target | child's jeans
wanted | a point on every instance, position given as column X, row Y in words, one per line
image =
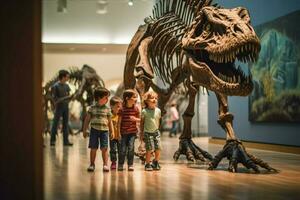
column 127, row 145
column 115, row 147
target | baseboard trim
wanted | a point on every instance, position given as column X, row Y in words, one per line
column 263, row 146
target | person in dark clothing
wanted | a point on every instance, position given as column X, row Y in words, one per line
column 61, row 95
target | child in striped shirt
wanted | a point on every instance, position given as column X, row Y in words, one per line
column 129, row 116
column 99, row 117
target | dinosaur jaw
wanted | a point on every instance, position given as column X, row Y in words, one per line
column 219, row 77
column 244, row 51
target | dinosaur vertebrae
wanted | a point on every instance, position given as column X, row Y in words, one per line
column 167, row 27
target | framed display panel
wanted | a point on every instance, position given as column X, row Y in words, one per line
column 276, row 74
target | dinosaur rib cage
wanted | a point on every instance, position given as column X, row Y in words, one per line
column 170, row 20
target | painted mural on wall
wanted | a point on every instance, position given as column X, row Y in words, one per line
column 276, row 94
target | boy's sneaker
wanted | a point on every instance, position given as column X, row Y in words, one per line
column 130, row 168
column 120, row 168
column 105, row 168
column 113, row 166
column 155, row 165
column 148, row 167
column 91, row 168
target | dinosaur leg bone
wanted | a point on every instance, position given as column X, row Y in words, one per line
column 234, row 149
column 225, row 118
column 144, row 68
column 186, row 145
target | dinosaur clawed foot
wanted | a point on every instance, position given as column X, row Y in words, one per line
column 236, row 153
column 192, row 152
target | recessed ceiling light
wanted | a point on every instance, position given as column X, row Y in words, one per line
column 62, row 6
column 130, row 3
column 102, row 7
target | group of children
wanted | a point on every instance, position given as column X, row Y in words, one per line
column 117, row 127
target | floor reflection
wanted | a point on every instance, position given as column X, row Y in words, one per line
column 66, row 176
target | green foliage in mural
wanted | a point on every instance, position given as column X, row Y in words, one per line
column 276, row 95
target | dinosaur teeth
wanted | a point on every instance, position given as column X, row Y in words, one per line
column 234, row 79
column 253, row 59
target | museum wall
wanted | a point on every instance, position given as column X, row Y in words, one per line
column 106, row 60
column 275, row 133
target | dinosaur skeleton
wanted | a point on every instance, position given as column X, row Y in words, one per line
column 84, row 80
column 196, row 43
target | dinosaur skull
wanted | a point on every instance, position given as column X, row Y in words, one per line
column 215, row 40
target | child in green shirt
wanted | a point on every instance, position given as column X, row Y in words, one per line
column 150, row 122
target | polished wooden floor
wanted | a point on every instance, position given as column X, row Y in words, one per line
column 66, row 176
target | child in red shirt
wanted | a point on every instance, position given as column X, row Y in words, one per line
column 129, row 116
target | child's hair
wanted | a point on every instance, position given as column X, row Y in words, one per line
column 147, row 96
column 62, row 73
column 128, row 94
column 114, row 100
column 100, row 92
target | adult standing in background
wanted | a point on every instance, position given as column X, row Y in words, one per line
column 61, row 96
column 174, row 118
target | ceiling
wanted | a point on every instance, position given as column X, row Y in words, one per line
column 82, row 25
